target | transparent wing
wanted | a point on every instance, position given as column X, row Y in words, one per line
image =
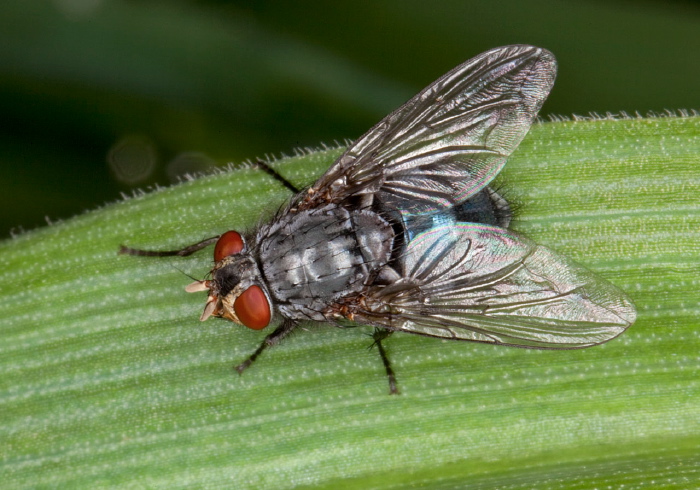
column 482, row 283
column 450, row 140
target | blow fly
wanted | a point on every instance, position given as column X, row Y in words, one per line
column 403, row 232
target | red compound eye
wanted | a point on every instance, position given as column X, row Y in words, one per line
column 252, row 308
column 229, row 243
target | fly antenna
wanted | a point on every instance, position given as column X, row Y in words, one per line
column 185, row 273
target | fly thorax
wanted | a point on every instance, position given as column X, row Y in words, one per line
column 311, row 258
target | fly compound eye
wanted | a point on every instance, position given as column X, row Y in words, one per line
column 230, row 243
column 252, row 308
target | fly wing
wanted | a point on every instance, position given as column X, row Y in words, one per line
column 450, row 140
column 483, row 283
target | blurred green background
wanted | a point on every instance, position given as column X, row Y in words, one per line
column 101, row 97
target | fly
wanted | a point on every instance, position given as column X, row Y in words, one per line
column 403, row 232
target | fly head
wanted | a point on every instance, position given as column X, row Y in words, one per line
column 236, row 289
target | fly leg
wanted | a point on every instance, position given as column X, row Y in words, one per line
column 379, row 335
column 274, row 174
column 183, row 252
column 274, row 338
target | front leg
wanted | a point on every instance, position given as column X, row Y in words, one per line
column 274, row 338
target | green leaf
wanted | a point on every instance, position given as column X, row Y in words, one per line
column 107, row 378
